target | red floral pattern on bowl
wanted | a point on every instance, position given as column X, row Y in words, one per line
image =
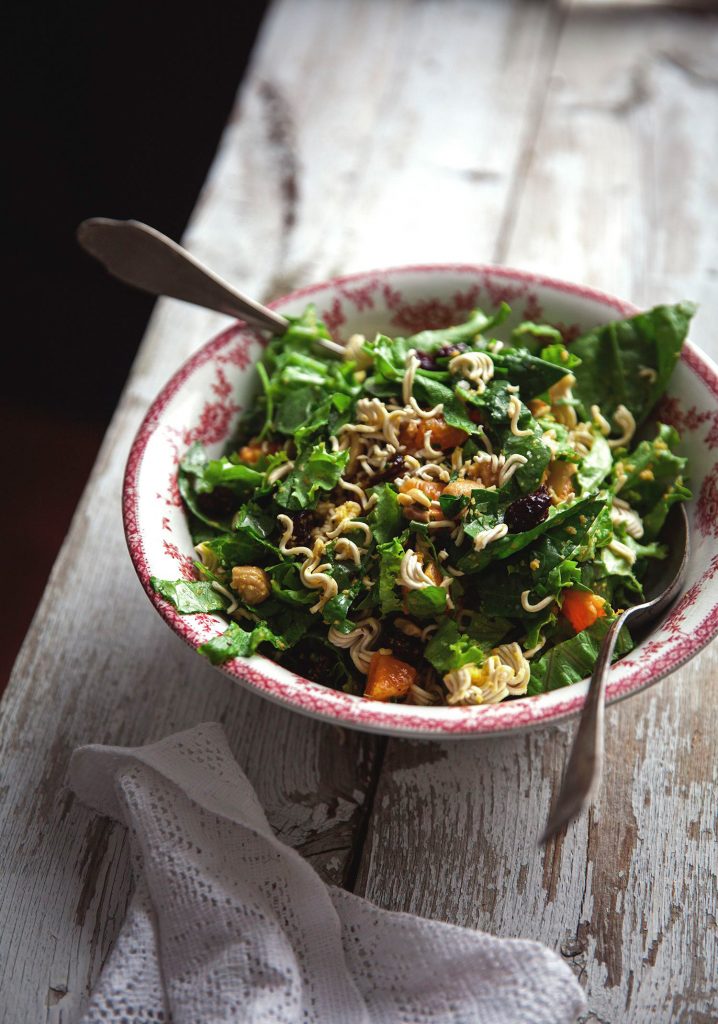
column 204, row 398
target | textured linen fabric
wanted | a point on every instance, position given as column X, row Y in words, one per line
column 228, row 924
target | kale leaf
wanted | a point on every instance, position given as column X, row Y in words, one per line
column 237, row 642
column 315, row 469
column 596, row 465
column 478, row 323
column 390, row 556
column 430, row 392
column 427, row 602
column 385, row 518
column 613, row 357
column 588, row 507
column 533, row 375
column 449, row 648
column 572, row 660
column 653, row 478
column 190, row 596
column 534, row 336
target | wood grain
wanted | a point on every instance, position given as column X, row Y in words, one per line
column 617, row 192
column 620, row 190
column 362, row 146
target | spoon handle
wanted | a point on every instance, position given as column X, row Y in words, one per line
column 147, row 259
column 583, row 771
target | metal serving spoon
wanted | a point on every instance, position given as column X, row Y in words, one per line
column 138, row 255
column 583, row 772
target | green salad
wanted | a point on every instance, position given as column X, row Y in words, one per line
column 440, row 519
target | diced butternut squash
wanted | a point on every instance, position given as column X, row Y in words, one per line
column 410, row 437
column 433, row 489
column 538, row 407
column 443, row 436
column 558, row 480
column 434, row 573
column 582, row 608
column 462, row 488
column 388, row 677
column 251, row 453
column 416, row 497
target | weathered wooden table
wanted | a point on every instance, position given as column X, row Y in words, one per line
column 578, row 142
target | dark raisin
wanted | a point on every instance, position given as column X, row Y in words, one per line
column 405, row 648
column 394, row 467
column 527, row 512
column 304, row 522
column 219, row 503
column 449, row 351
column 426, row 361
column 313, row 661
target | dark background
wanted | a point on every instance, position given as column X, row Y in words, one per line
column 115, row 110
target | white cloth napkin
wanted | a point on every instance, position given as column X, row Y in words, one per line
column 229, row 924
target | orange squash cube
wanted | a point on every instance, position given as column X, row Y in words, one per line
column 442, row 435
column 582, row 608
column 431, row 488
column 388, row 677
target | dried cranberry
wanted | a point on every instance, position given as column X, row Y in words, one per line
column 449, row 351
column 426, row 362
column 527, row 512
column 303, row 525
column 405, row 648
column 313, row 661
column 219, row 503
column 394, row 467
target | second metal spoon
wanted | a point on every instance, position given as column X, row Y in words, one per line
column 583, row 770
column 145, row 258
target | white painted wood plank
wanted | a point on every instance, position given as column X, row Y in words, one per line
column 377, row 133
column 341, row 99
column 619, row 193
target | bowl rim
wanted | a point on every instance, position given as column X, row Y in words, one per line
column 265, row 677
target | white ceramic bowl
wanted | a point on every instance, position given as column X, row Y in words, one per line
column 204, row 398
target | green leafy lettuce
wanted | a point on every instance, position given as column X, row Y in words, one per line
column 315, row 469
column 237, row 642
column 386, row 519
column 390, row 556
column 450, row 648
column 615, row 356
column 572, row 660
column 653, row 478
column 190, row 595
